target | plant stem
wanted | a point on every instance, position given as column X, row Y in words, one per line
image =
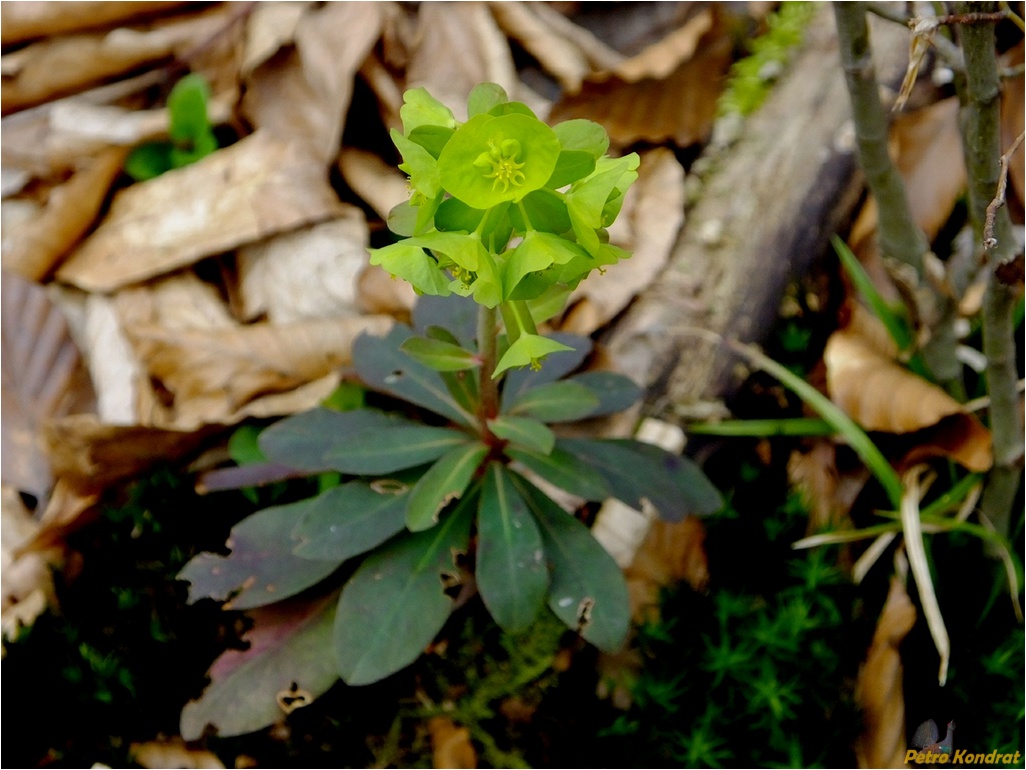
column 899, row 236
column 982, row 147
column 487, row 343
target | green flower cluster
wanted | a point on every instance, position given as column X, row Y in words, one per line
column 503, row 207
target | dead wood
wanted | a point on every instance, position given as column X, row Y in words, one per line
column 767, row 209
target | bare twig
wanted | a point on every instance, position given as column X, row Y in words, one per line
column 976, row 17
column 989, row 241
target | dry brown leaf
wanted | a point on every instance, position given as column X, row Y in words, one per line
column 379, row 292
column 600, row 56
column 252, row 189
column 63, row 65
column 272, row 25
column 658, row 60
column 381, row 185
column 813, row 474
column 556, row 53
column 304, row 274
column 879, row 690
column 450, row 744
column 43, row 377
column 178, row 302
column 36, row 247
column 679, row 106
column 1013, row 117
column 456, row 46
column 172, row 753
column 670, row 553
column 26, row 574
column 211, row 376
column 648, row 226
column 880, row 394
column 26, row 20
column 90, row 455
column 303, row 96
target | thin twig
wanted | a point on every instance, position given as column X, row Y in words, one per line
column 983, row 402
column 989, row 241
column 977, row 17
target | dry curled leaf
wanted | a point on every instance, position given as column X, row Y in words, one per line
column 450, row 744
column 557, row 54
column 644, row 99
column 302, row 95
column 26, row 20
column 218, row 376
column 381, row 185
column 172, row 753
column 43, row 378
column 879, row 394
column 26, row 572
column 879, row 690
column 379, row 292
column 36, row 246
column 306, row 273
column 252, row 189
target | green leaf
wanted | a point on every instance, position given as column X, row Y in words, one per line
column 614, row 391
column 286, row 649
column 460, row 248
column 347, row 397
column 494, row 159
column 637, row 471
column 564, row 470
column 588, row 198
column 456, row 314
column 561, row 401
column 303, row 440
column 351, row 519
column 442, row 483
column 410, row 262
column 556, row 365
column 581, row 134
column 394, row 604
column 422, row 109
column 440, row 356
column 261, row 565
column 148, row 161
column 381, row 365
column 571, row 166
column 431, row 138
column 544, row 210
column 588, row 592
column 419, row 164
column 454, row 215
column 244, row 447
column 524, row 432
column 536, row 252
column 511, row 571
column 187, row 108
column 529, row 349
column 391, row 449
column 484, row 97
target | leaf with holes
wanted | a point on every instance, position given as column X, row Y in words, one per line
column 351, row 519
column 564, row 470
column 261, row 565
column 285, row 656
column 395, row 603
column 381, row 365
column 635, row 471
column 511, row 570
column 588, row 591
column 442, row 483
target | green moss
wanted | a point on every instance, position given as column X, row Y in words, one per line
column 752, row 77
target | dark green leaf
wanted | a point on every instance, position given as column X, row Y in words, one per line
column 261, row 565
column 347, row 397
column 545, row 210
column 560, row 401
column 524, row 431
column 244, row 446
column 588, row 591
column 614, row 391
column 381, row 365
column 394, row 604
column 564, row 470
column 351, row 519
column 674, row 485
column 439, row 355
column 512, row 574
column 456, row 314
column 303, row 440
column 392, row 449
column 149, row 160
column 455, row 215
column 442, row 483
column 286, row 650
